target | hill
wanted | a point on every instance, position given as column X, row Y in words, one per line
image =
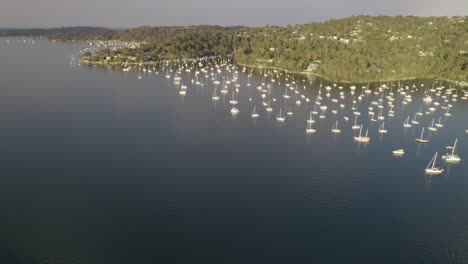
column 41, row 32
column 358, row 48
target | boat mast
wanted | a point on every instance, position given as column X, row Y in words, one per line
column 454, row 146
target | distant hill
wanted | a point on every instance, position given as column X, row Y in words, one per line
column 39, row 32
column 140, row 34
column 363, row 48
column 359, row 48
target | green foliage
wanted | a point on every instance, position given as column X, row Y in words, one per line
column 359, row 48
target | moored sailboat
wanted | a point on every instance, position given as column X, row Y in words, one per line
column 362, row 139
column 431, row 167
column 452, row 157
column 421, row 139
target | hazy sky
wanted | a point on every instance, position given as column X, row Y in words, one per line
column 125, row 13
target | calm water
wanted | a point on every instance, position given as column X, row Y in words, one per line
column 98, row 166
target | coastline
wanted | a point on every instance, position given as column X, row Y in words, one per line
column 457, row 83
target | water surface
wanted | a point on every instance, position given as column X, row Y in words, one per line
column 99, row 166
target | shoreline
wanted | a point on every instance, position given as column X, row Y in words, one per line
column 457, row 83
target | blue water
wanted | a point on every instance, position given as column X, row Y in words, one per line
column 98, row 166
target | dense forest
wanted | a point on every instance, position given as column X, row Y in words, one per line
column 169, row 43
column 359, row 48
column 363, row 48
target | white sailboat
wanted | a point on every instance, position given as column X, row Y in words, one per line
column 382, row 129
column 360, row 138
column 439, row 124
column 269, row 108
column 452, row 157
column 447, row 113
column 398, row 152
column 224, row 90
column 234, row 111
column 335, row 128
column 407, row 123
column 380, row 117
column 254, row 112
column 322, row 114
column 391, row 113
column 310, row 120
column 286, row 95
column 309, row 129
column 415, row 120
column 355, row 126
column 431, row 168
column 427, row 99
column 280, row 118
column 214, row 97
column 432, row 127
column 421, row 139
column 315, row 112
column 233, row 101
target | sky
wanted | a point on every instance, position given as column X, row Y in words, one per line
column 132, row 13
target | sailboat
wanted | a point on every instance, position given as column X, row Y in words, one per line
column 280, row 118
column 224, row 90
column 314, row 112
column 427, row 99
column 254, row 112
column 415, row 120
column 322, row 114
column 452, row 158
column 286, row 95
column 432, row 127
column 269, row 108
column 421, row 139
column 215, row 97
column 380, row 117
column 407, row 123
column 234, row 111
column 355, row 126
column 391, row 113
column 439, row 124
column 360, row 138
column 335, row 128
column 398, row 152
column 419, row 113
column 382, row 129
column 310, row 120
column 309, row 129
column 431, row 168
column 447, row 113
column 233, row 101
